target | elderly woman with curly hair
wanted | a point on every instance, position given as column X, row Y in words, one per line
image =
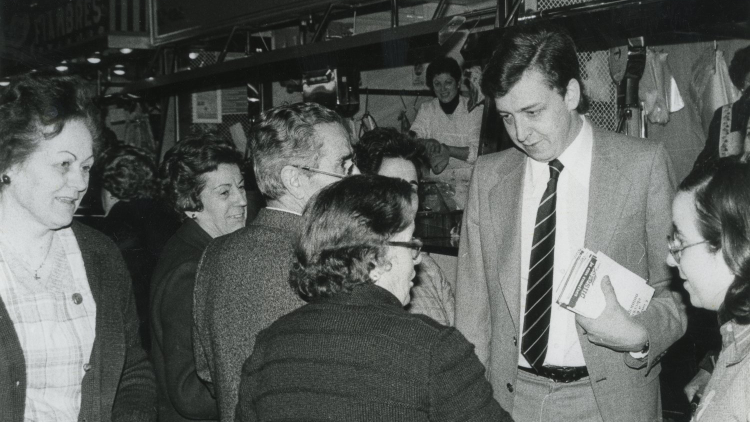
column 204, row 184
column 353, row 352
column 711, row 248
column 387, row 152
column 69, row 346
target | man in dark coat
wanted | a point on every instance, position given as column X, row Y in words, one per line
column 242, row 283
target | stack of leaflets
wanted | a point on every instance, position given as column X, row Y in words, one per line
column 581, row 291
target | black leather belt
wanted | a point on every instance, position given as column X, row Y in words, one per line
column 563, row 374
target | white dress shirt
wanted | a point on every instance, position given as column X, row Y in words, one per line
column 563, row 349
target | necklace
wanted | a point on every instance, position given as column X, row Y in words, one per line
column 44, row 261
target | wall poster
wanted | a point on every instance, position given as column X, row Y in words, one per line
column 207, row 107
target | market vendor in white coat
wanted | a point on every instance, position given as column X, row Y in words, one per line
column 449, row 131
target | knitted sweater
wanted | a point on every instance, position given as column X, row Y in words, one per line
column 242, row 286
column 119, row 386
column 360, row 356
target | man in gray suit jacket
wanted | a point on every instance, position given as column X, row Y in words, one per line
column 242, row 283
column 568, row 185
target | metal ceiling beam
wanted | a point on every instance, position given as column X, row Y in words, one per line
column 384, row 48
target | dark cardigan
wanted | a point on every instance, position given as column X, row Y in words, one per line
column 361, row 357
column 182, row 395
column 120, row 384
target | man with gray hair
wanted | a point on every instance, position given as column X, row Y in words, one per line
column 242, row 283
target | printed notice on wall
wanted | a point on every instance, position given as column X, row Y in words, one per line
column 207, row 107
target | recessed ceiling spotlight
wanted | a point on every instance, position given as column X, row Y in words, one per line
column 126, row 50
column 62, row 67
column 94, row 58
column 4, row 83
column 119, row 70
column 193, row 55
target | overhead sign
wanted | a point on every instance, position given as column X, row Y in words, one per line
column 57, row 25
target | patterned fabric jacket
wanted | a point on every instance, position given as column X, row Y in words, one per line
column 727, row 395
column 119, row 386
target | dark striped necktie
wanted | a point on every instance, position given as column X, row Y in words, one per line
column 539, row 289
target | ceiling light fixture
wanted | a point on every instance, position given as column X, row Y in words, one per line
column 94, row 58
column 253, row 96
column 193, row 55
column 119, row 70
column 4, row 82
column 126, row 50
column 62, row 67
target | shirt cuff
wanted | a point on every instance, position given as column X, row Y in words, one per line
column 641, row 354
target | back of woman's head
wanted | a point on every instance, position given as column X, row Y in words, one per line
column 722, row 203
column 35, row 108
column 346, row 227
column 185, row 164
column 128, row 172
column 387, row 142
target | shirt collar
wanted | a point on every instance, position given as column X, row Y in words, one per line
column 576, row 158
column 735, row 339
column 284, row 210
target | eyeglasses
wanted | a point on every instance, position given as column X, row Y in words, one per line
column 676, row 250
column 414, row 244
column 327, row 173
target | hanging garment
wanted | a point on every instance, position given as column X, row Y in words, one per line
column 138, row 130
column 658, row 88
column 711, row 87
column 728, row 133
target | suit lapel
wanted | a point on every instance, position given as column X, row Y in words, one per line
column 505, row 209
column 608, row 192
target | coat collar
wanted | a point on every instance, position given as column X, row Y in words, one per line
column 735, row 340
column 609, row 188
column 507, row 194
column 363, row 295
column 192, row 234
column 279, row 220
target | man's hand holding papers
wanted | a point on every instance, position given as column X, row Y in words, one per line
column 606, row 297
column 614, row 328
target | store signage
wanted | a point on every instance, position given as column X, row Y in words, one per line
column 57, row 26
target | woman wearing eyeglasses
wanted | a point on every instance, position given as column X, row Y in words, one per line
column 711, row 249
column 353, row 352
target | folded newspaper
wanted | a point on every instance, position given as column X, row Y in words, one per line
column 581, row 290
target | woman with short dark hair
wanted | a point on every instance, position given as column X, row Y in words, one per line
column 387, row 152
column 133, row 218
column 353, row 352
column 69, row 346
column 448, row 129
column 711, row 248
column 127, row 173
column 203, row 183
